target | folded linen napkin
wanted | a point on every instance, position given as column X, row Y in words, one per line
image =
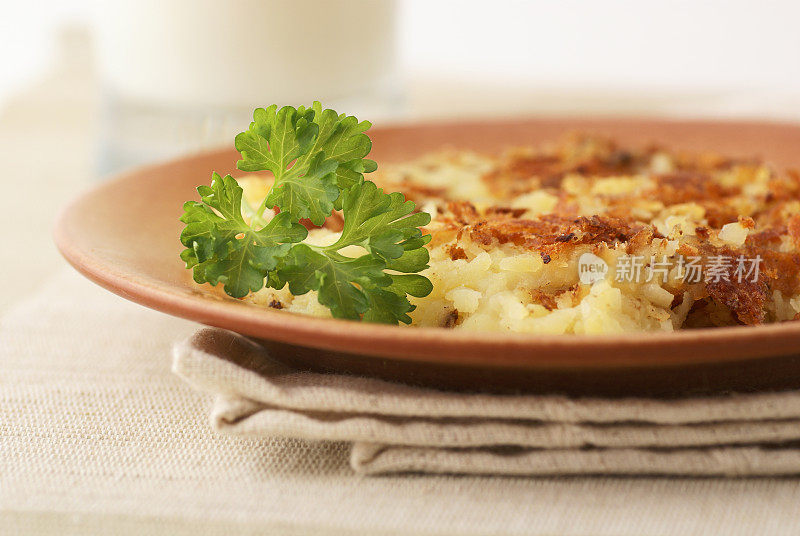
column 399, row 428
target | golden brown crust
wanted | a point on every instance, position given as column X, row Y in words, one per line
column 586, row 207
column 793, row 227
column 522, row 170
column 450, row 319
column 743, row 297
column 456, row 252
column 551, row 233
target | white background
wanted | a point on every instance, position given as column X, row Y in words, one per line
column 634, row 45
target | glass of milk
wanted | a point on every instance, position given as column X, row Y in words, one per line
column 182, row 75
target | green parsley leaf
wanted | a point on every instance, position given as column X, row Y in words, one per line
column 383, row 224
column 333, row 276
column 386, row 226
column 317, row 158
column 342, row 138
column 223, row 248
column 311, row 152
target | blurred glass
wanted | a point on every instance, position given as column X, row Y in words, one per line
column 182, row 75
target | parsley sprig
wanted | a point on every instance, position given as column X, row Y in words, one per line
column 317, row 159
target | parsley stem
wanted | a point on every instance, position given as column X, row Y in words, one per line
column 256, row 216
column 263, row 206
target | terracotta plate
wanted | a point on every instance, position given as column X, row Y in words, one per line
column 124, row 236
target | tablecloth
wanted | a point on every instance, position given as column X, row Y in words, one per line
column 95, row 433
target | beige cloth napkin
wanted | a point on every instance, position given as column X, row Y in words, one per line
column 399, row 428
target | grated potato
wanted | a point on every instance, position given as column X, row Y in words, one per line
column 508, row 232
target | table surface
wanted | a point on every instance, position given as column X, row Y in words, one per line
column 96, row 432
